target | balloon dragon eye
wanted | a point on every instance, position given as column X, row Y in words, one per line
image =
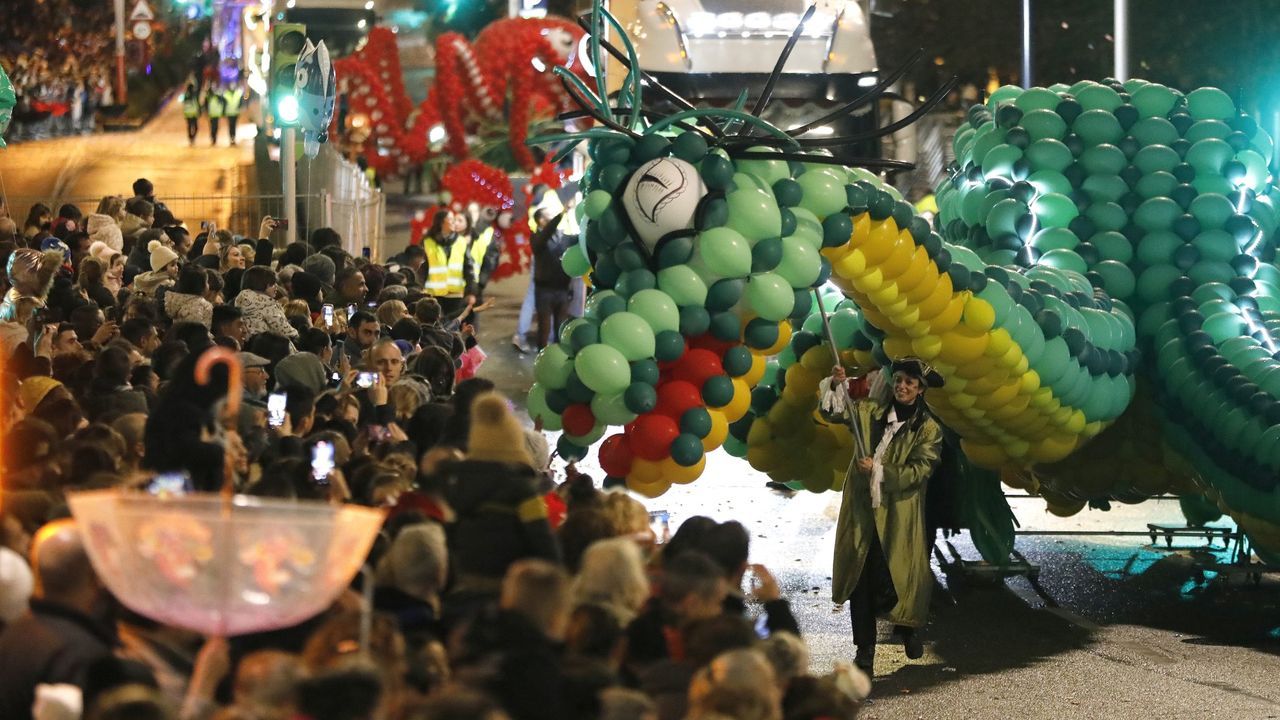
column 657, row 186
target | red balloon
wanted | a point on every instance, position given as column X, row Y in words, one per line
column 707, row 341
column 578, row 419
column 653, row 436
column 676, row 397
column 697, row 366
column 615, row 455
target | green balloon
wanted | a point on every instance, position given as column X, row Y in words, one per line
column 1117, row 278
column 754, row 213
column 537, row 402
column 603, row 368
column 1113, row 246
column 1158, row 213
column 1050, row 181
column 1036, row 98
column 1063, row 259
column 657, row 308
column 1158, row 247
column 1206, row 129
column 823, row 192
column 1105, row 159
column 1210, row 104
column 1105, row 188
column 1054, row 238
column 725, row 252
column 770, row 296
column 1156, row 184
column 801, row 263
column 1054, row 211
column 999, row 160
column 1098, row 126
column 1209, row 156
column 1107, row 215
column 1154, row 131
column 1044, row 123
column 770, row 171
column 1052, row 363
column 1223, row 326
column 1153, row 284
column 575, row 263
column 612, row 409
column 683, row 285
column 628, row 333
column 1154, row 100
column 1098, row 97
column 552, row 367
column 580, row 335
column 596, row 203
column 604, row 302
column 1049, row 154
column 640, row 398
column 717, row 391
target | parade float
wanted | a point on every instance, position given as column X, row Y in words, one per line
column 1099, row 291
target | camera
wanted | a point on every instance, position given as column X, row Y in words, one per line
column 326, row 311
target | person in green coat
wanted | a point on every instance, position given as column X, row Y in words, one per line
column 882, row 555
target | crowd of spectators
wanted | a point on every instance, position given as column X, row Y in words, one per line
column 498, row 591
column 59, row 55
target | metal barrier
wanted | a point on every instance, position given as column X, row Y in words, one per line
column 334, row 192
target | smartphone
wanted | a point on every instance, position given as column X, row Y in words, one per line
column 660, row 524
column 204, row 224
column 335, row 380
column 275, row 409
column 379, row 433
column 326, row 311
column 367, row 252
column 351, row 310
column 371, row 304
column 170, row 484
column 366, row 379
column 321, row 462
column 282, row 224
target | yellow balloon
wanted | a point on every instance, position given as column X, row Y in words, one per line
column 961, row 346
column 896, row 347
column 869, row 281
column 978, row 315
column 756, row 373
column 900, row 259
column 836, row 254
column 999, row 343
column 1053, row 448
column 674, row 472
column 927, row 347
column 805, row 380
column 907, row 317
column 975, row 369
column 897, row 307
column 913, row 274
column 761, row 432
column 818, row 359
column 962, row 401
column 936, row 301
column 649, row 490
column 740, row 403
column 949, row 318
column 885, row 295
column 861, row 230
column 880, row 242
column 920, row 328
column 644, row 472
column 853, row 264
column 719, row 431
column 1030, row 382
column 764, row 458
column 984, row 455
column 927, row 283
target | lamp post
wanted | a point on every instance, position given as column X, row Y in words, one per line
column 122, row 88
column 1122, row 40
column 1026, row 43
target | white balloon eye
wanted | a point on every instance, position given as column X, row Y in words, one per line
column 301, row 76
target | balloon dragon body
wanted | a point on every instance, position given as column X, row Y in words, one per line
column 1098, row 291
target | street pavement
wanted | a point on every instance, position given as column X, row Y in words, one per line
column 87, row 167
column 1117, row 627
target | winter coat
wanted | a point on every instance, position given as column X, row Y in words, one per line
column 107, row 404
column 262, row 314
column 181, row 307
column 549, row 245
column 50, row 644
column 148, row 284
column 501, row 518
column 132, row 226
column 504, row 654
column 908, row 462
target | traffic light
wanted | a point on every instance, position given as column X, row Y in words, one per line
column 287, row 41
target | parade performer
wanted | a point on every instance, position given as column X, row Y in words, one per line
column 882, row 555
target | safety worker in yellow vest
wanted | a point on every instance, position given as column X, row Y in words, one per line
column 449, row 267
column 191, row 111
column 215, row 105
column 232, row 97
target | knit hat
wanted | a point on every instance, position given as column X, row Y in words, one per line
column 103, row 228
column 16, row 584
column 305, row 285
column 31, row 271
column 34, row 389
column 495, row 435
column 321, row 267
column 417, row 561
column 302, row 369
column 161, row 255
column 103, row 251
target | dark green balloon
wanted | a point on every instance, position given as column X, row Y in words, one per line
column 640, row 398
column 724, row 294
column 766, row 255
column 675, row 251
column 714, row 212
column 717, row 172
column 606, row 272
column 739, row 428
column 614, row 151
column 903, row 213
column 570, row 450
column 761, row 333
column 880, row 205
column 763, row 397
column 725, row 326
column 629, row 257
column 577, row 390
column 696, row 421
column 788, row 192
column 737, row 361
column 788, row 222
column 804, row 299
column 803, row 340
column 694, row 321
column 586, row 333
column 689, row 146
column 645, row 371
column 686, row 449
column 668, row 346
column 649, row 147
column 856, row 196
column 558, row 401
column 610, row 305
column 610, row 178
column 836, row 229
column 717, row 391
column 634, row 281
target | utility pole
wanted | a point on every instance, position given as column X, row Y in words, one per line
column 1122, row 40
column 1026, row 43
column 122, row 88
column 289, row 171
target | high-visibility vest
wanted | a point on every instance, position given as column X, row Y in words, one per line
column 479, row 247
column 190, row 105
column 232, row 98
column 214, row 102
column 445, row 268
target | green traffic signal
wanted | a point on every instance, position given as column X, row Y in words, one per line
column 287, row 42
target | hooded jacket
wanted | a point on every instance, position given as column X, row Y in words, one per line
column 132, row 225
column 148, row 285
column 262, row 314
column 501, row 518
column 182, row 307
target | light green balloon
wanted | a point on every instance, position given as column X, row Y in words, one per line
column 683, row 285
column 611, row 409
column 597, row 202
column 552, row 367
column 537, row 403
column 1154, row 131
column 754, row 213
column 1049, row 154
column 1212, row 210
column 1098, row 126
column 770, row 171
column 770, row 296
column 1036, row 98
column 1050, row 181
column 1064, row 259
column 1052, row 363
column 1042, row 124
column 1054, row 210
column 1156, row 184
column 725, row 252
column 575, row 262
column 808, row 227
column 1154, row 100
column 628, row 333
column 1099, row 97
column 1210, row 104
column 657, row 308
column 800, row 263
column 823, row 192
column 1158, row 247
column 1158, row 213
column 593, row 302
column 1206, row 129
column 602, row 368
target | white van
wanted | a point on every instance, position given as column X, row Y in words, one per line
column 708, row 51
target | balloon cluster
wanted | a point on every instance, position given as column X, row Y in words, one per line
column 1163, row 200
column 8, row 99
